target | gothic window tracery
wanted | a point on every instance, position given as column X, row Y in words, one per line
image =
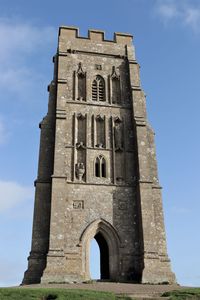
column 98, row 89
column 100, row 167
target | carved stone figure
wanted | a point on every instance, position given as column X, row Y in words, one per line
column 80, row 170
column 118, row 134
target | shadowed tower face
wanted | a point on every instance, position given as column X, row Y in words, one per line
column 97, row 175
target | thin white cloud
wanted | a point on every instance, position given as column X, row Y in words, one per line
column 12, row 194
column 167, row 10
column 17, row 37
column 19, row 80
column 192, row 18
column 185, row 12
column 22, row 45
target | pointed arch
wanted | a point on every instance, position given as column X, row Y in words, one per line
column 100, row 168
column 97, row 167
column 98, row 89
column 80, row 83
column 106, row 235
column 103, row 167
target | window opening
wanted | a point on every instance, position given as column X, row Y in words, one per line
column 103, row 168
column 97, row 168
column 100, row 167
column 94, row 90
column 98, row 89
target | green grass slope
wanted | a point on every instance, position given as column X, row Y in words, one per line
column 54, row 294
column 184, row 294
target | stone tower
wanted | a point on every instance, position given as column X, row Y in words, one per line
column 97, row 175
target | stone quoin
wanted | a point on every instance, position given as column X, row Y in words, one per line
column 97, row 174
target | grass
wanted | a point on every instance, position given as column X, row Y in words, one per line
column 184, row 294
column 52, row 293
column 67, row 294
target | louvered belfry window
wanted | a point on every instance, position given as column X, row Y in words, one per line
column 94, row 90
column 98, row 89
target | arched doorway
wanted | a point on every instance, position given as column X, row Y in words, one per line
column 94, row 260
column 104, row 256
column 109, row 243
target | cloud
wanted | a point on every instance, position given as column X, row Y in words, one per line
column 167, row 10
column 184, row 12
column 23, row 47
column 22, row 38
column 192, row 18
column 20, row 80
column 12, row 194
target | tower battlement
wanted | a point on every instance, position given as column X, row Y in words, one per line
column 95, row 43
column 71, row 32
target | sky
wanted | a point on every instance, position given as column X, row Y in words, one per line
column 167, row 40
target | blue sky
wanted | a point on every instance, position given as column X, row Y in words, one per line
column 167, row 39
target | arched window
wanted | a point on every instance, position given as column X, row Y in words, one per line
column 97, row 167
column 100, row 167
column 98, row 89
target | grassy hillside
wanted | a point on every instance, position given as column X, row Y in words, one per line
column 51, row 294
column 184, row 294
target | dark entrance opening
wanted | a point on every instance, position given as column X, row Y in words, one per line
column 104, row 256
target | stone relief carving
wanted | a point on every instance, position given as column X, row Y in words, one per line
column 114, row 74
column 80, row 171
column 80, row 145
column 99, row 118
column 80, row 70
column 100, row 145
column 120, row 179
column 118, row 134
column 80, row 116
column 78, row 204
column 122, row 205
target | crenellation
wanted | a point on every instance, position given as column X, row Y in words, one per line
column 70, row 32
column 123, row 38
column 96, row 35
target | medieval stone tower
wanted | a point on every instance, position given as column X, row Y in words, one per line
column 97, row 173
